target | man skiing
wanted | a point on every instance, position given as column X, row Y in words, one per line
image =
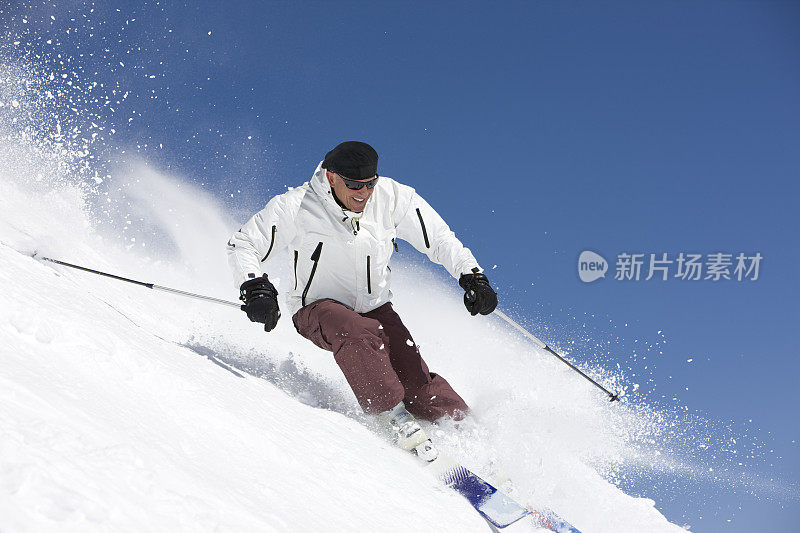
column 340, row 228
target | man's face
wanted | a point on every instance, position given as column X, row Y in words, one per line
column 352, row 200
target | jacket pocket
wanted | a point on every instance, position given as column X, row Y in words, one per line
column 315, row 258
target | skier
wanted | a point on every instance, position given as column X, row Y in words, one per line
column 341, row 228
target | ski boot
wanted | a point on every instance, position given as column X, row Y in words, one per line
column 403, row 430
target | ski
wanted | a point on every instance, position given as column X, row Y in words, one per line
column 496, row 507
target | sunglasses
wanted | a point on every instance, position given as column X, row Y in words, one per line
column 358, row 185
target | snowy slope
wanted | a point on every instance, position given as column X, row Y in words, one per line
column 123, row 409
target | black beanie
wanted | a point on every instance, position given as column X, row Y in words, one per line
column 352, row 159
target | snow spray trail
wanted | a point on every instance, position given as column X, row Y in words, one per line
column 74, row 224
column 69, row 191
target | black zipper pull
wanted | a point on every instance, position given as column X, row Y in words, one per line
column 369, row 278
column 271, row 242
column 315, row 258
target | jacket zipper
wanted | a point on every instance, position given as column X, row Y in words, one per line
column 369, row 282
column 424, row 231
column 315, row 258
column 272, row 242
column 296, row 255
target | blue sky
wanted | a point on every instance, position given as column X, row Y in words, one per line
column 538, row 130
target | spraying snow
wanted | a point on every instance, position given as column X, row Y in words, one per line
column 119, row 400
column 136, row 410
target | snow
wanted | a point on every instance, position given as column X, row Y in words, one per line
column 125, row 409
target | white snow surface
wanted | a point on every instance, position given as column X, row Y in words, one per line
column 127, row 409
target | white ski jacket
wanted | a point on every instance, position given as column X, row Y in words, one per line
column 339, row 254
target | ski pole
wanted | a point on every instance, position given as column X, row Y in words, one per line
column 614, row 397
column 143, row 284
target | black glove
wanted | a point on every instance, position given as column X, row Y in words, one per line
column 260, row 301
column 479, row 296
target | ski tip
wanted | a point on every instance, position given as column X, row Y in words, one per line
column 549, row 520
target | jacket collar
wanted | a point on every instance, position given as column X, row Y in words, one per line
column 320, row 183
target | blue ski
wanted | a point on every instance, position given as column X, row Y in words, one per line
column 495, row 506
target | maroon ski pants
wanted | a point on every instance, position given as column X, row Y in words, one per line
column 379, row 359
